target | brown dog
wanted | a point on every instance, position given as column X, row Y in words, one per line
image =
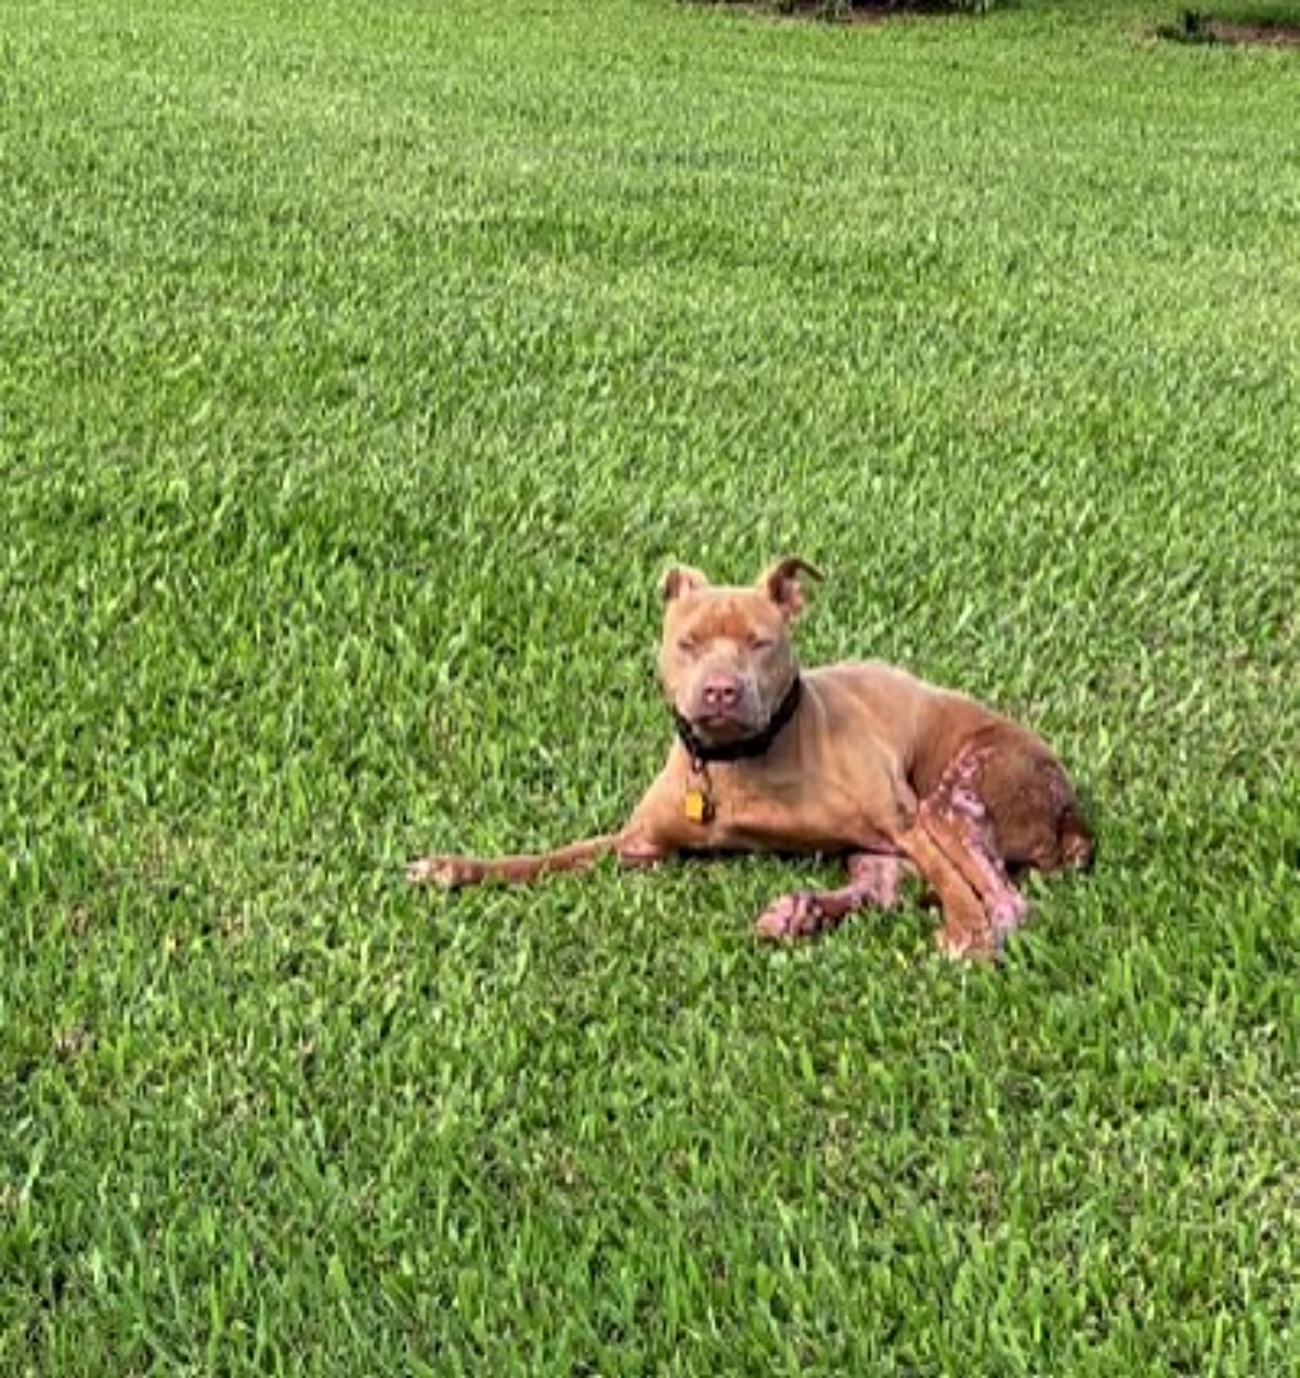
column 859, row 759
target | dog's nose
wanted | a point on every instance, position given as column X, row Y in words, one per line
column 721, row 691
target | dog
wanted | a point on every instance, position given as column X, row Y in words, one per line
column 859, row 759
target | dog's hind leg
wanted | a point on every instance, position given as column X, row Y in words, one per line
column 1004, row 805
column 955, row 815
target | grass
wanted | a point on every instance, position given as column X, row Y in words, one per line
column 360, row 368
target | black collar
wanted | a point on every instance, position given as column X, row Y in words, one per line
column 702, row 753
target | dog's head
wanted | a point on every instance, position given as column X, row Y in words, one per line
column 726, row 658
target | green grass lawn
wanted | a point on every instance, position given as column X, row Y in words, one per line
column 361, row 366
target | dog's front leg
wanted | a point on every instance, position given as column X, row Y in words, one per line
column 454, row 872
column 643, row 841
column 874, row 882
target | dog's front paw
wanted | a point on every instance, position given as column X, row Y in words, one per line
column 446, row 872
column 792, row 916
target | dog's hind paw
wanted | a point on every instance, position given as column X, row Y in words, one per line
column 446, row 872
column 968, row 945
column 1008, row 913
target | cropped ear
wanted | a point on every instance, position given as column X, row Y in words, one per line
column 782, row 585
column 680, row 579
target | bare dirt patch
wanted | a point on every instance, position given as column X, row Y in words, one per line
column 1260, row 35
column 871, row 12
column 1198, row 27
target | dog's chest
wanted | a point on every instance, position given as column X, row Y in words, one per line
column 737, row 809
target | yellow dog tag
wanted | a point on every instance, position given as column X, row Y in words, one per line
column 696, row 806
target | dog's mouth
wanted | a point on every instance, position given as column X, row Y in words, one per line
column 729, row 731
column 723, row 725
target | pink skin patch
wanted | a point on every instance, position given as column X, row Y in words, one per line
column 878, row 878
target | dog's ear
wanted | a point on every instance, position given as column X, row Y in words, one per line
column 782, row 585
column 681, row 579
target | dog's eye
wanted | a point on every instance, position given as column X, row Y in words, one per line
column 687, row 646
column 761, row 643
